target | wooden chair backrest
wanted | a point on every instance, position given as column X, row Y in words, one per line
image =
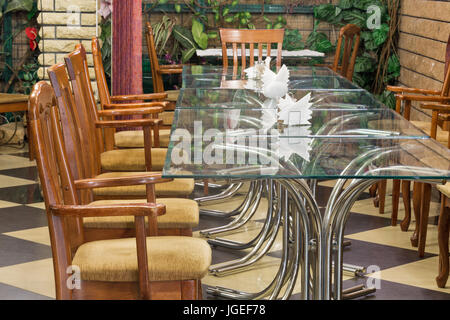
column 102, row 85
column 446, row 85
column 73, row 122
column 349, row 36
column 158, row 85
column 251, row 37
column 56, row 180
column 83, row 94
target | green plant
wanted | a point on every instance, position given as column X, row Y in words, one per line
column 377, row 64
column 293, row 40
column 23, row 75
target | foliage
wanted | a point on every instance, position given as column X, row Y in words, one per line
column 105, row 38
column 25, row 73
column 372, row 41
column 292, row 40
column 181, row 43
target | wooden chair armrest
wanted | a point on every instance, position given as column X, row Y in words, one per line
column 422, row 98
column 160, row 104
column 127, row 112
column 128, row 123
column 170, row 71
column 412, row 90
column 171, row 66
column 147, row 96
column 145, row 178
column 444, row 108
column 323, row 65
column 113, row 210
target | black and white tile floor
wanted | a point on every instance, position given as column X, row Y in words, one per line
column 26, row 270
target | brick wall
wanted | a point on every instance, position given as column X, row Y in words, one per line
column 64, row 23
column 424, row 31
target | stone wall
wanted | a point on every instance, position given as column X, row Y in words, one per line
column 64, row 23
column 424, row 31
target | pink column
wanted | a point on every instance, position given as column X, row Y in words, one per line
column 126, row 70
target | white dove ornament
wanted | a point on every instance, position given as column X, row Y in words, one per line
column 275, row 85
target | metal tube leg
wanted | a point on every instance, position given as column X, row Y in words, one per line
column 245, row 217
column 259, row 250
column 225, row 194
column 222, row 214
column 248, row 201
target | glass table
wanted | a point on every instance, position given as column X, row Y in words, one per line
column 317, row 78
column 237, row 135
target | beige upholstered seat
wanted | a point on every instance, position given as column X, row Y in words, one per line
column 135, row 139
column 445, row 189
column 170, row 258
column 441, row 135
column 180, row 213
column 174, row 188
column 172, row 95
column 167, row 118
column 131, row 159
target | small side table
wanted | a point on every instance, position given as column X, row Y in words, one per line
column 11, row 102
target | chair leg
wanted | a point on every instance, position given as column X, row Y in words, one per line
column 205, row 187
column 382, row 195
column 406, row 187
column 373, row 190
column 417, row 191
column 199, row 289
column 395, row 200
column 443, row 234
column 424, row 212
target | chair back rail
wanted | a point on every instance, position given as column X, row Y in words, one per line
column 85, row 104
column 158, row 85
column 103, row 90
column 446, row 84
column 349, row 37
column 54, row 173
column 242, row 38
column 71, row 124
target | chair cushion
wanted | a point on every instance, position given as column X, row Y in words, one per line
column 445, row 189
column 180, row 213
column 174, row 188
column 441, row 135
column 135, row 139
column 131, row 159
column 169, row 258
column 167, row 118
column 172, row 95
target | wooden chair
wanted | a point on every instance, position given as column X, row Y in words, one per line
column 422, row 194
column 344, row 64
column 123, row 139
column 406, row 96
column 130, row 268
column 350, row 35
column 244, row 37
column 181, row 214
column 157, row 76
column 115, row 162
column 443, row 235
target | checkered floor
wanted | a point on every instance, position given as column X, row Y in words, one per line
column 26, row 270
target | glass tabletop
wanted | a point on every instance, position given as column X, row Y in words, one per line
column 218, row 81
column 313, row 158
column 296, row 122
column 192, row 98
column 296, row 71
column 324, row 132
